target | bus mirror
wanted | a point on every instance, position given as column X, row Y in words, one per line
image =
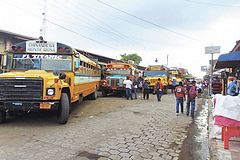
column 62, row 75
column 76, row 55
column 77, row 63
column 4, row 63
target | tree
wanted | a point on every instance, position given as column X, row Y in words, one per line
column 134, row 57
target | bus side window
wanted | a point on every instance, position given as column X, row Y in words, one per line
column 77, row 63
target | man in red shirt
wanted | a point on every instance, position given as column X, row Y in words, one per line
column 158, row 89
column 180, row 97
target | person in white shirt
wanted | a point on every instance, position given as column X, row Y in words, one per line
column 128, row 85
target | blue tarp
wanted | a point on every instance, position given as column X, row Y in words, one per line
column 228, row 60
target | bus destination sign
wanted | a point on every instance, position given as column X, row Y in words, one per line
column 34, row 47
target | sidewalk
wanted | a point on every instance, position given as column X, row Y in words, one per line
column 216, row 145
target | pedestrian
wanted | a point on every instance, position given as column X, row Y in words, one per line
column 158, row 89
column 145, row 90
column 174, row 83
column 192, row 93
column 135, row 87
column 128, row 87
column 180, row 97
column 232, row 88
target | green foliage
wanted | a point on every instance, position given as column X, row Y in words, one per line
column 134, row 57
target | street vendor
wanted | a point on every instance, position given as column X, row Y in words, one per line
column 232, row 88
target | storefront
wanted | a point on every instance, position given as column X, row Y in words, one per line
column 231, row 61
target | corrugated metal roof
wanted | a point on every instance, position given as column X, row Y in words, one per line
column 18, row 36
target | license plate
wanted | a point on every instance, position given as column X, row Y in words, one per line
column 17, row 103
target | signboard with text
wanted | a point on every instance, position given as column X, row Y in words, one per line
column 34, row 47
column 203, row 68
column 212, row 49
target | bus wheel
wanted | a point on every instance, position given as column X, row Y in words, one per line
column 80, row 99
column 104, row 93
column 2, row 117
column 63, row 111
column 94, row 95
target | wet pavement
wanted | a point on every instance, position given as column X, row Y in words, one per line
column 200, row 131
column 196, row 144
column 108, row 128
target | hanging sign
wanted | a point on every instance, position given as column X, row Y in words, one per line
column 44, row 47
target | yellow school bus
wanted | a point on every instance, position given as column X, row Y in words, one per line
column 45, row 75
column 153, row 72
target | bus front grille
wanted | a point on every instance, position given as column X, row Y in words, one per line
column 18, row 89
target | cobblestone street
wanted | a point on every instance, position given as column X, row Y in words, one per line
column 108, row 128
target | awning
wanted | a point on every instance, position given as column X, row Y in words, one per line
column 228, row 60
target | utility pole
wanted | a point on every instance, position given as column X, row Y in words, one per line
column 43, row 27
column 167, row 60
column 211, row 74
column 211, row 50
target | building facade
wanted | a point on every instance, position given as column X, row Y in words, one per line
column 7, row 39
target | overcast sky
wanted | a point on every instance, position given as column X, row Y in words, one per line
column 177, row 28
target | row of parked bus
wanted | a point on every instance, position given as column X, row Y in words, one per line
column 45, row 75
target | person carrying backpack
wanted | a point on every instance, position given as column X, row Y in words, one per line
column 158, row 89
column 192, row 94
column 180, row 97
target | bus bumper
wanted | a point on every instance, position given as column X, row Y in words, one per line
column 28, row 106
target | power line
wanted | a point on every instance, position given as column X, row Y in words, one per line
column 149, row 22
column 211, row 4
column 60, row 26
column 74, row 16
column 104, row 26
column 136, row 39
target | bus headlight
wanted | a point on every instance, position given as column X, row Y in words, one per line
column 50, row 91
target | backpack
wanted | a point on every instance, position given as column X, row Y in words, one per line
column 233, row 89
column 158, row 86
column 192, row 92
column 179, row 89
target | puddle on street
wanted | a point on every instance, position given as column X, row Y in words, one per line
column 200, row 149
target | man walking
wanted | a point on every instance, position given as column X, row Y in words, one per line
column 180, row 97
column 135, row 87
column 128, row 86
column 174, row 83
column 145, row 90
column 158, row 89
column 192, row 94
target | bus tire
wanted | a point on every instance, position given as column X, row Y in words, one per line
column 94, row 95
column 2, row 117
column 104, row 93
column 63, row 111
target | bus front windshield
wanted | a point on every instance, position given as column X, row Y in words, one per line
column 118, row 72
column 42, row 62
column 155, row 73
